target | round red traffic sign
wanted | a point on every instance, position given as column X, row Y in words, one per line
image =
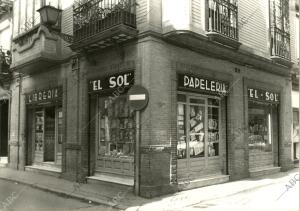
column 138, row 97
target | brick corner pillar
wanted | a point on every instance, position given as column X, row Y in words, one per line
column 75, row 104
column 285, row 128
column 17, row 143
column 238, row 159
column 155, row 74
column 155, row 173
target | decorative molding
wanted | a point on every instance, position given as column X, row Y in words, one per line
column 73, row 146
column 155, row 149
column 35, row 37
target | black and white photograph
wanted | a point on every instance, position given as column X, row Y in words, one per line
column 149, row 105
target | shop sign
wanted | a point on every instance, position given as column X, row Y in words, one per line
column 112, row 82
column 263, row 95
column 44, row 95
column 194, row 83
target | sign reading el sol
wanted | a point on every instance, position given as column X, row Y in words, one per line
column 112, row 82
column 44, row 95
column 201, row 84
column 263, row 95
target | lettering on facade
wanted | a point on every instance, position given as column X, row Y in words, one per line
column 112, row 82
column 44, row 95
column 263, row 95
column 202, row 84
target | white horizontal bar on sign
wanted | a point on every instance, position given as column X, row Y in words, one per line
column 137, row 97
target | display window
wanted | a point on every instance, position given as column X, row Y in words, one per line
column 116, row 130
column 263, row 128
column 296, row 134
column 260, row 126
column 198, row 120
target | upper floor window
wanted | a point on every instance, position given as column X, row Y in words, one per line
column 222, row 17
column 280, row 28
column 26, row 15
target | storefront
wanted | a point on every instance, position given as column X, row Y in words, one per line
column 295, row 136
column 201, row 108
column 114, row 139
column 4, row 127
column 44, row 127
column 263, row 108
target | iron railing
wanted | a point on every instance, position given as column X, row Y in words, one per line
column 5, row 61
column 96, row 16
column 280, row 43
column 222, row 18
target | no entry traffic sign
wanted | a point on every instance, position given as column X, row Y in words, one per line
column 138, row 97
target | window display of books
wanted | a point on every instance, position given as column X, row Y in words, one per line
column 39, row 131
column 117, row 129
column 213, row 131
column 258, row 133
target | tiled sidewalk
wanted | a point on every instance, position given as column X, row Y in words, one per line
column 125, row 199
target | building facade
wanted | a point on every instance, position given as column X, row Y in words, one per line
column 218, row 77
column 295, row 97
column 6, row 77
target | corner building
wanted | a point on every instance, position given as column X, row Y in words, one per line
column 219, row 93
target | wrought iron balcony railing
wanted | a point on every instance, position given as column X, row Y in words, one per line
column 280, row 43
column 96, row 16
column 222, row 18
column 5, row 61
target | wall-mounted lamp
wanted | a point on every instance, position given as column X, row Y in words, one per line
column 49, row 17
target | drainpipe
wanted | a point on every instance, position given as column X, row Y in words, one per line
column 19, row 121
column 226, row 129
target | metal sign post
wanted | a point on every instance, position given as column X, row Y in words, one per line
column 138, row 98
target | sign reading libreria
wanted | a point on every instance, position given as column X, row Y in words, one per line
column 112, row 82
column 200, row 84
column 263, row 95
column 45, row 95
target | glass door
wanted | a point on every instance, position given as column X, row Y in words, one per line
column 198, row 126
column 39, row 137
column 59, row 135
column 49, row 135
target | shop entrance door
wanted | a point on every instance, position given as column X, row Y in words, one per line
column 198, row 136
column 48, row 135
column 3, row 129
column 49, row 151
column 39, row 137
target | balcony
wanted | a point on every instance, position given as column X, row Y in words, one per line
column 222, row 22
column 5, row 73
column 102, row 23
column 280, row 46
column 35, row 50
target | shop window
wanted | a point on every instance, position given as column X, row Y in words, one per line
column 196, row 131
column 213, row 131
column 59, row 130
column 39, row 131
column 296, row 134
column 181, row 145
column 260, row 126
column 116, row 128
column 202, row 124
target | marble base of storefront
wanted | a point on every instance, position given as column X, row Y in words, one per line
column 262, row 171
column 3, row 161
column 203, row 181
column 46, row 169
